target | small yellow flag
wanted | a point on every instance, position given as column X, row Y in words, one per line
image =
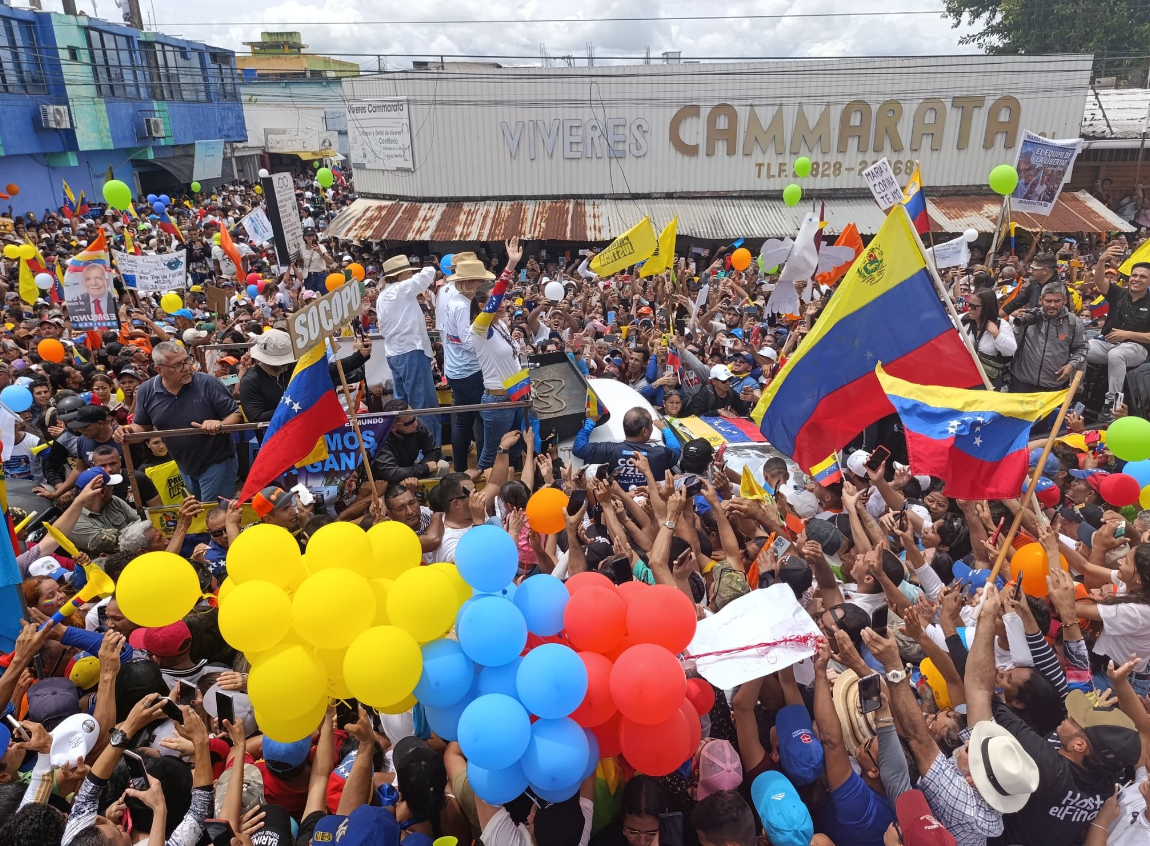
column 1140, row 254
column 633, row 246
column 29, row 293
column 664, row 258
column 749, row 488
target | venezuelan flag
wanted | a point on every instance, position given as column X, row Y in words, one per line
column 308, row 410
column 68, row 209
column 594, row 409
column 1099, row 307
column 518, row 386
column 915, row 201
column 719, row 430
column 168, row 225
column 827, row 472
column 885, row 309
column 975, row 440
column 82, row 205
column 95, row 253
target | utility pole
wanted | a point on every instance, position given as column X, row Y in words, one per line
column 70, row 8
column 135, row 18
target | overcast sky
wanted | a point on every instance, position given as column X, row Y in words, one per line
column 242, row 20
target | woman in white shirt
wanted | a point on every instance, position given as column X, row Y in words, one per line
column 993, row 337
column 1125, row 619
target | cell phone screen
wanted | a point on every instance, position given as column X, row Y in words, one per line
column 183, row 693
column 172, row 711
column 877, row 457
column 870, row 699
column 219, row 832
column 576, row 502
column 224, row 708
column 136, row 771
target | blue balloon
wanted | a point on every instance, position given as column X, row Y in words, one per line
column 1140, row 470
column 253, row 291
column 507, row 592
column 560, row 795
column 542, row 599
column 447, row 674
column 446, row 262
column 592, row 753
column 165, row 199
column 494, row 731
column 445, row 721
column 556, row 757
column 496, row 787
column 152, row 198
column 487, row 558
column 492, row 631
column 552, row 681
column 18, row 398
column 159, row 207
column 500, row 679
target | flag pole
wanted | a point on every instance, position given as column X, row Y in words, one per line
column 352, row 408
column 997, row 229
column 1024, row 503
column 945, row 297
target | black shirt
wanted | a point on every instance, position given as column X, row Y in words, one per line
column 707, row 402
column 401, row 457
column 260, row 392
column 1126, row 314
column 204, row 398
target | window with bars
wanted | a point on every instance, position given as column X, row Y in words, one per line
column 21, row 64
column 222, row 75
column 113, row 65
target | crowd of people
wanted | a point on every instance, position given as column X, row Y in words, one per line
column 941, row 706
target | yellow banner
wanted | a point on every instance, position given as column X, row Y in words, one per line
column 633, row 246
column 664, row 258
column 164, row 517
column 1140, row 254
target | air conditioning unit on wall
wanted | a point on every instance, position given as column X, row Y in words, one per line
column 55, row 117
column 154, row 127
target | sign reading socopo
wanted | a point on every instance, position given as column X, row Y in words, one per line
column 324, row 317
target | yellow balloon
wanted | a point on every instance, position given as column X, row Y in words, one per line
column 255, row 616
column 27, row 251
column 382, row 666
column 269, row 553
column 462, row 588
column 258, row 189
column 395, row 548
column 157, row 589
column 287, row 682
column 171, row 303
column 226, row 587
column 401, row 706
column 332, row 607
column 1144, row 498
column 339, row 544
column 120, row 394
column 381, row 588
column 289, row 731
column 332, row 660
column 292, row 638
column 422, row 602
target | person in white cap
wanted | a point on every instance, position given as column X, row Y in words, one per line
column 717, row 398
column 406, row 343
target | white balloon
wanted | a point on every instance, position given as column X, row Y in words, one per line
column 264, row 173
column 970, row 236
column 44, row 281
column 554, row 291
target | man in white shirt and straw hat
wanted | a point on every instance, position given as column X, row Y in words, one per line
column 460, row 361
column 405, row 342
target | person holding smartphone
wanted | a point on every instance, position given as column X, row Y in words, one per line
column 1125, row 341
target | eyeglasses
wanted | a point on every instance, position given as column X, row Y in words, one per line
column 217, row 533
column 183, row 364
column 642, row 836
column 410, row 422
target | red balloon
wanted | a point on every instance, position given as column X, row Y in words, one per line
column 597, row 706
column 595, row 619
column 662, row 615
column 586, row 579
column 694, row 725
column 622, row 646
column 1120, row 490
column 648, row 684
column 608, row 736
column 702, row 696
column 253, row 278
column 658, row 749
column 629, row 590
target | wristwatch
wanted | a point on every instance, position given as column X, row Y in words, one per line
column 669, row 524
column 502, row 451
column 896, row 676
column 119, row 739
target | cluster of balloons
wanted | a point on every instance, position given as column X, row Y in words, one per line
column 324, row 177
column 792, row 193
column 117, row 194
column 345, row 619
column 1003, row 180
column 19, row 251
column 1128, row 438
column 159, row 202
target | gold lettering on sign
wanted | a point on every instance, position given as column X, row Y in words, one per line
column 886, row 126
column 996, row 123
column 806, row 136
column 934, row 128
column 775, row 133
column 728, row 132
column 848, row 129
column 966, row 107
column 676, row 130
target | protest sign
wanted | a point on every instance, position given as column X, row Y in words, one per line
column 283, row 214
column 166, row 272
column 217, row 299
column 258, row 227
column 883, row 184
column 1044, row 166
column 88, row 290
column 208, row 161
column 323, row 317
column 953, row 253
column 334, row 480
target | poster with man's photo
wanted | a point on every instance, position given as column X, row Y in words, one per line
column 88, row 290
column 1044, row 165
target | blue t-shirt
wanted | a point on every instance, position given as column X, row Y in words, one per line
column 855, row 814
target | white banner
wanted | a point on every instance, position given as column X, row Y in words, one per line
column 379, row 134
column 258, row 227
column 1044, row 165
column 883, row 184
column 208, row 162
column 166, row 272
column 954, row 253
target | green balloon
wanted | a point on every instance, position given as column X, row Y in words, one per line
column 1128, row 438
column 1003, row 179
column 802, row 166
column 324, row 177
column 792, row 194
column 195, row 187
column 117, row 194
column 315, row 165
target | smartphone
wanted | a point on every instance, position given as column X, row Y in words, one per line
column 610, row 317
column 172, row 711
column 346, row 712
column 751, row 310
column 1018, row 588
column 780, row 546
column 671, row 829
column 577, row 500
column 1078, row 408
column 878, row 620
column 137, row 774
column 1120, row 532
column 1119, row 399
column 303, row 494
column 902, row 518
column 225, row 708
column 719, row 453
column 877, row 458
column 219, row 832
column 183, row 693
column 870, row 694
column 19, row 733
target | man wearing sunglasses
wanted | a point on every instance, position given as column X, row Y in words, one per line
column 410, row 449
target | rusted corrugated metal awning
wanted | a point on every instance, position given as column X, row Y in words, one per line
column 709, row 218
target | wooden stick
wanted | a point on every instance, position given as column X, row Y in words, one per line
column 997, row 227
column 1033, row 483
column 352, row 408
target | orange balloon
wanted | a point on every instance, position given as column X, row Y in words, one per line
column 545, row 511
column 1032, row 563
column 357, row 271
column 334, row 280
column 741, row 258
column 12, row 188
column 51, row 350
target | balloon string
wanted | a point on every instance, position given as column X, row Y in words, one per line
column 811, row 641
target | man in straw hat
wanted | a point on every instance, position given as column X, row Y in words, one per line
column 460, row 361
column 406, row 344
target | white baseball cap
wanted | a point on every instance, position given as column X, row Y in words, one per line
column 856, row 463
column 769, row 352
column 50, row 567
column 721, row 372
column 73, row 739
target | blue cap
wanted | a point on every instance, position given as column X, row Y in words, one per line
column 973, row 579
column 800, row 752
column 367, row 825
column 786, row 819
column 287, row 755
column 90, row 474
column 1050, row 468
column 184, row 312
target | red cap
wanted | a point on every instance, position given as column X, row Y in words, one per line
column 919, row 827
column 164, row 642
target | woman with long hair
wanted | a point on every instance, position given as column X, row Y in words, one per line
column 993, row 338
column 1125, row 619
